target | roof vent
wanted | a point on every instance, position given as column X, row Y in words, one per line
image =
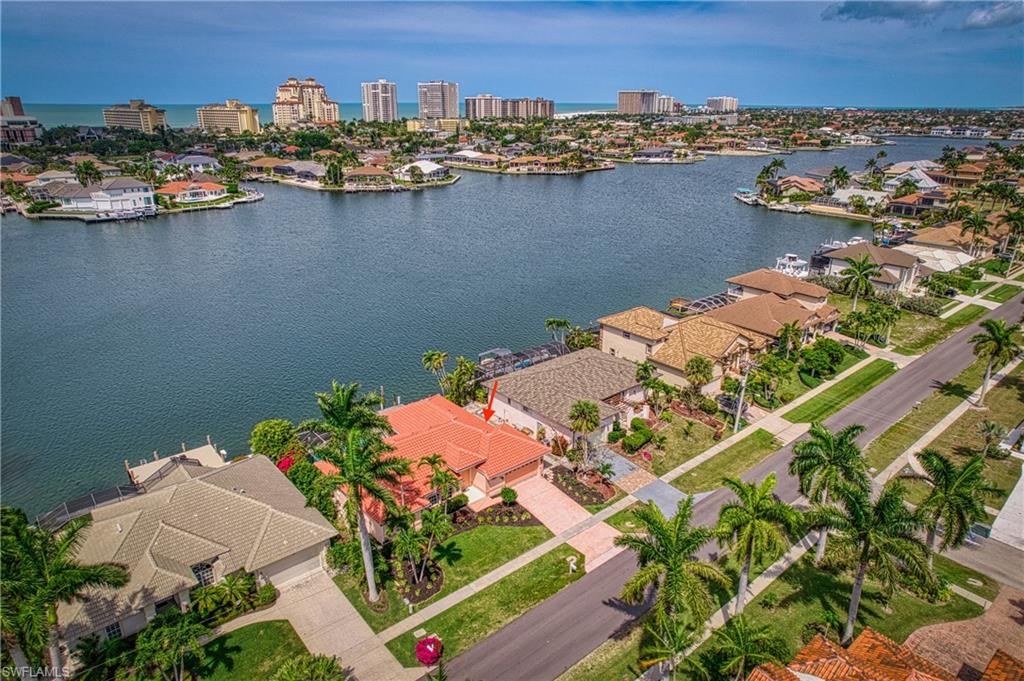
column 119, row 530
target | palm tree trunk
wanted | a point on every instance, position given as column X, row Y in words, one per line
column 930, row 538
column 819, row 552
column 741, row 592
column 856, row 294
column 364, row 543
column 851, row 617
column 56, row 663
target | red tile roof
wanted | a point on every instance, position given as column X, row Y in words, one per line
column 1003, row 667
column 175, row 188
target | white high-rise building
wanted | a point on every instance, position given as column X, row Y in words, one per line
column 666, row 104
column 304, row 100
column 484, row 106
column 380, row 101
column 438, row 99
column 723, row 104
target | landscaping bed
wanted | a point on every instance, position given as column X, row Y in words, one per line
column 507, row 515
column 591, row 491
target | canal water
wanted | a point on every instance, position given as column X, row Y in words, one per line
column 122, row 339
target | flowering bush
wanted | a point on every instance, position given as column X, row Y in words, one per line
column 428, row 650
column 287, row 462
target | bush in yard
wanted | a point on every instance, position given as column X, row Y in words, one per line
column 457, row 503
column 770, row 600
column 615, row 436
column 816, row 362
column 428, row 650
column 709, row 406
column 273, row 438
column 635, row 440
column 509, row 495
column 667, row 416
column 638, row 424
column 832, row 348
column 265, row 595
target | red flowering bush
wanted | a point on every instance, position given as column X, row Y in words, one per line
column 428, row 650
column 286, row 462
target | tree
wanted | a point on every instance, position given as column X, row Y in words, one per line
column 670, row 636
column 1014, row 222
column 557, row 327
column 99, row 659
column 436, row 526
column 644, row 371
column 824, row 462
column 344, row 409
column 41, row 570
column 977, row 225
column 816, row 362
column 956, row 500
column 906, row 187
column 698, row 371
column 441, row 478
column 170, row 645
column 993, row 432
column 997, row 343
column 739, row 647
column 886, row 317
column 666, row 553
column 273, row 438
column 879, row 537
column 856, row 277
column 365, row 471
column 434, row 361
column 578, row 338
column 407, row 543
column 584, row 418
column 790, row 334
column 234, row 589
column 755, row 525
column 87, row 173
column 839, row 177
column 461, row 383
column 309, row 667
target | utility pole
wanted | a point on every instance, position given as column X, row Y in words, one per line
column 743, row 392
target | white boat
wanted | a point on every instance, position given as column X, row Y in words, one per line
column 836, row 244
column 747, row 196
column 793, row 265
column 787, row 207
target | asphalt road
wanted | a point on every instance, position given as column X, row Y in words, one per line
column 559, row 632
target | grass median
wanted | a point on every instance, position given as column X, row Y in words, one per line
column 842, row 393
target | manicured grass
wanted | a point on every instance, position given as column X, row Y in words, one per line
column 731, row 461
column 978, row 286
column 464, row 558
column 955, row 573
column 931, row 330
column 255, row 651
column 1003, row 293
column 1019, row 277
column 804, row 592
column 836, row 397
column 623, row 521
column 680, row 447
column 477, row 617
column 884, row 449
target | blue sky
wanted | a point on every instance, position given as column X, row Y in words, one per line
column 841, row 53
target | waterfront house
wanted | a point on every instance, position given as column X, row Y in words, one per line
column 899, row 271
column 917, row 204
column 921, row 180
column 764, row 280
column 768, row 313
column 963, row 176
column 368, row 176
column 483, row 456
column 654, row 155
column 307, row 171
column 842, row 197
column 265, row 164
column 197, row 163
column 895, row 169
column 474, row 159
column 187, row 522
column 539, row 398
column 429, row 171
column 115, row 195
column 534, row 164
column 186, row 191
column 794, row 184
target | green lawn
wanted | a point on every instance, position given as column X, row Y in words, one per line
column 252, row 652
column 464, row 557
column 680, row 446
column 1003, row 293
column 844, row 392
column 477, row 617
column 731, row 461
column 916, row 333
column 978, row 286
column 1019, row 277
column 884, row 449
column 955, row 573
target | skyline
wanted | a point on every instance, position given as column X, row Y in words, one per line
column 909, row 54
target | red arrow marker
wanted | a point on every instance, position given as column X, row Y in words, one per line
column 488, row 412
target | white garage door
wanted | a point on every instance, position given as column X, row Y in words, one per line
column 293, row 567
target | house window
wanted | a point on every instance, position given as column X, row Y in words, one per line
column 433, row 497
column 611, row 351
column 112, row 631
column 203, row 573
column 626, row 335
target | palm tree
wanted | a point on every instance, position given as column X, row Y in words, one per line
column 41, row 567
column 886, row 316
column 790, row 335
column 740, row 646
column 434, row 361
column 666, row 553
column 584, row 418
column 881, row 537
column 699, row 371
column 365, row 472
column 998, row 344
column 670, row 636
column 1014, row 221
column 755, row 525
column 441, row 477
column 977, row 225
column 644, row 371
column 87, row 173
column 436, row 526
column 956, row 500
column 856, row 277
column 839, row 177
column 825, row 461
column 234, row 589
column 993, row 432
column 557, row 327
column 309, row 667
column 408, row 543
column 344, row 409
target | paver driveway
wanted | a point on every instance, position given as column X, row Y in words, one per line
column 550, row 505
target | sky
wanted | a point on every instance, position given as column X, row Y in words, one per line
column 930, row 53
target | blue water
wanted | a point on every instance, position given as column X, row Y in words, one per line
column 184, row 115
column 121, row 339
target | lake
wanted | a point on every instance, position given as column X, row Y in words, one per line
column 122, row 339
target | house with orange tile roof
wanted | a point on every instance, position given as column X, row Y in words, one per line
column 485, row 457
column 187, row 191
column 794, row 184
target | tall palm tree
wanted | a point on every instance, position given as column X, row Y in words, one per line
column 343, row 409
column 670, row 636
column 740, row 646
column 557, row 327
column 441, row 477
column 880, row 537
column 856, row 277
column 43, row 569
column 87, row 173
column 956, row 500
column 839, row 177
column 1014, row 221
column 434, row 361
column 666, row 553
column 992, row 432
column 825, row 461
column 977, row 225
column 584, row 418
column 790, row 334
column 365, row 472
column 755, row 525
column 996, row 343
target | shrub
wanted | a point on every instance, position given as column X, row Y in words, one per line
column 634, row 441
column 786, row 397
column 265, row 595
column 509, row 495
column 40, row 206
column 667, row 416
column 272, row 437
column 616, row 435
column 638, row 423
column 709, row 406
column 832, row 348
column 770, row 600
column 808, row 380
column 996, row 266
column 457, row 503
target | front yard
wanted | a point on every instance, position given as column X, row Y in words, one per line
column 844, row 392
column 1003, row 293
column 479, row 616
column 684, row 439
column 255, row 651
column 733, row 460
column 463, row 557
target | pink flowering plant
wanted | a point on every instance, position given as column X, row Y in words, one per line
column 428, row 650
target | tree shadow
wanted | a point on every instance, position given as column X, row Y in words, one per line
column 450, row 553
column 830, row 590
column 950, row 389
column 220, row 653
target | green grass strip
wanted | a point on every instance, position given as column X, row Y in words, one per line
column 844, row 392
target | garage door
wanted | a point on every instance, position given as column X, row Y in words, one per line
column 294, row 567
column 521, row 473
